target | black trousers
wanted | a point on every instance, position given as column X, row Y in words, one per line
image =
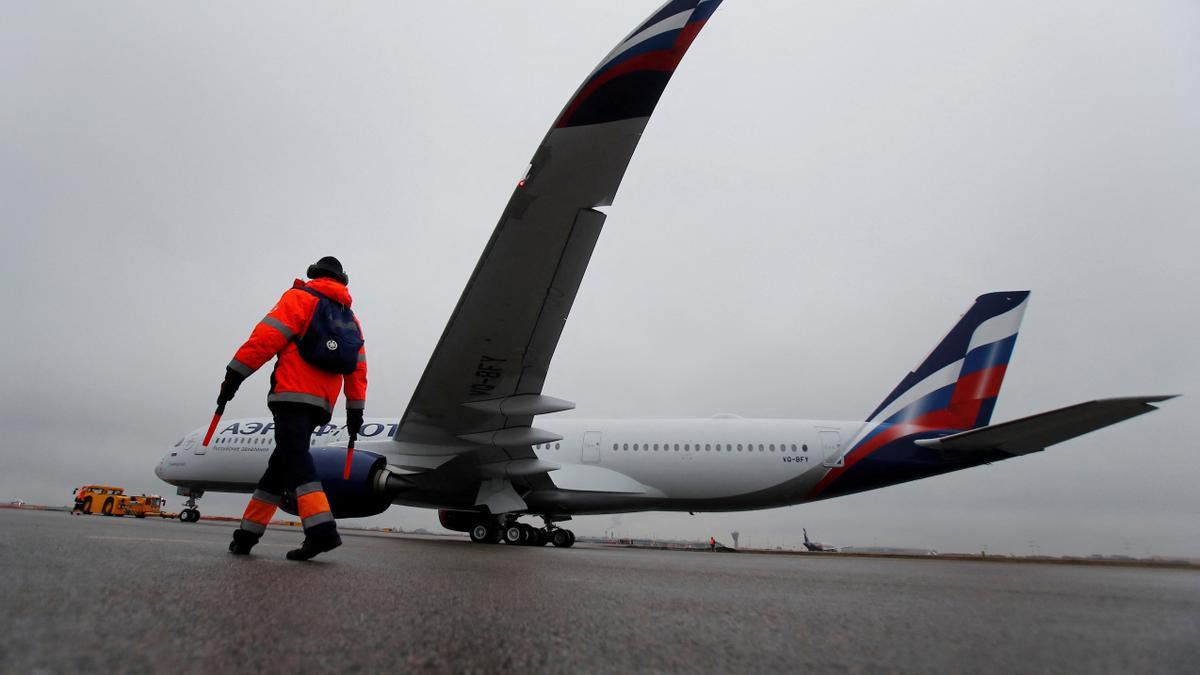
column 291, row 466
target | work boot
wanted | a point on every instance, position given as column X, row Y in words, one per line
column 242, row 542
column 314, row 545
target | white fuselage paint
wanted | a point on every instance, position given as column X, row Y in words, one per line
column 683, row 461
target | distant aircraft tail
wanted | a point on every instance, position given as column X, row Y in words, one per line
column 956, row 386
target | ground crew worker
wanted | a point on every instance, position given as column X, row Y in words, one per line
column 712, row 544
column 302, row 398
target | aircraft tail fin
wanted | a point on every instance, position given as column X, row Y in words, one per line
column 956, row 386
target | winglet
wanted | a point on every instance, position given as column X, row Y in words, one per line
column 631, row 78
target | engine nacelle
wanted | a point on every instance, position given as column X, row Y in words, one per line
column 363, row 494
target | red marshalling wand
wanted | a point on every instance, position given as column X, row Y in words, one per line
column 212, row 426
column 349, row 458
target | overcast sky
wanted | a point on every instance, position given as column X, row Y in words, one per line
column 823, row 189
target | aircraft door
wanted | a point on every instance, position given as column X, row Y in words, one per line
column 831, row 448
column 591, row 447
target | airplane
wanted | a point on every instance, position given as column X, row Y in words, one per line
column 815, row 546
column 466, row 444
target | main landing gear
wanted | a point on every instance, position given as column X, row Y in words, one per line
column 190, row 514
column 514, row 533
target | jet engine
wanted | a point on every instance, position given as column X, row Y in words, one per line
column 364, row 494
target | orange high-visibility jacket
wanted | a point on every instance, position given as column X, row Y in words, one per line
column 294, row 379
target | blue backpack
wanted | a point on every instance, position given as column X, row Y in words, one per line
column 333, row 339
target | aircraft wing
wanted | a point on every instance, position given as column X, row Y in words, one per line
column 483, row 384
column 1038, row 432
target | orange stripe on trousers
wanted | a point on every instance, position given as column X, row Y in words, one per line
column 312, row 503
column 259, row 512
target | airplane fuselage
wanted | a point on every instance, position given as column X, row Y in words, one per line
column 601, row 465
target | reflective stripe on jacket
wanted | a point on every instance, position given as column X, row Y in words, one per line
column 294, row 379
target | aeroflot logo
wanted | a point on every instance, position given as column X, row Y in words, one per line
column 369, row 429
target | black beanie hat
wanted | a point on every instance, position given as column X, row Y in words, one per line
column 330, row 268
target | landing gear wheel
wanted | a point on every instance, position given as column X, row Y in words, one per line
column 543, row 537
column 484, row 534
column 514, row 534
column 528, row 535
column 190, row 514
column 572, row 534
column 561, row 538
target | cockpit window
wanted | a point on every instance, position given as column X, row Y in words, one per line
column 180, row 442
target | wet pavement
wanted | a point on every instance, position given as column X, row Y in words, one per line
column 123, row 595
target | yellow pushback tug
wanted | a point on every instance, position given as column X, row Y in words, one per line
column 112, row 501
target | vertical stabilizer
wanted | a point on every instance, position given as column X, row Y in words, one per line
column 956, row 386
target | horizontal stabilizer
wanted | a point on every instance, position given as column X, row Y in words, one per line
column 1038, row 432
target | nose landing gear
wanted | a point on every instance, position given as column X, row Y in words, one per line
column 190, row 514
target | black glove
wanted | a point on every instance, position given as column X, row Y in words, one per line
column 229, row 387
column 354, row 419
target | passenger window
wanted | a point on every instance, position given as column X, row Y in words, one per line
column 626, row 446
column 760, row 447
column 558, row 446
column 739, row 447
column 805, row 448
column 687, row 447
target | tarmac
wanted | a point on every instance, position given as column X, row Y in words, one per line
column 89, row 593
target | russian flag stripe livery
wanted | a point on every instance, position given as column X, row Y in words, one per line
column 954, row 389
column 630, row 79
column 982, row 339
